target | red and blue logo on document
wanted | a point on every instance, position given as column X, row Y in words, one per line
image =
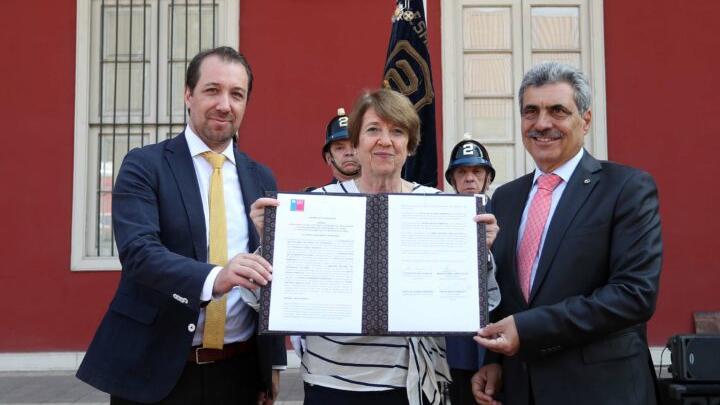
column 297, row 204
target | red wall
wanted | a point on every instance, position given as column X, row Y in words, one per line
column 663, row 98
column 309, row 58
column 45, row 306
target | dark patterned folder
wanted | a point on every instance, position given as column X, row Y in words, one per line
column 375, row 277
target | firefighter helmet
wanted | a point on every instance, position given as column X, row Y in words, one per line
column 469, row 152
column 337, row 130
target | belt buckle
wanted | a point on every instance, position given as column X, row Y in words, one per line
column 197, row 356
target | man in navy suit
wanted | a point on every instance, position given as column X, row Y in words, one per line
column 149, row 346
column 579, row 281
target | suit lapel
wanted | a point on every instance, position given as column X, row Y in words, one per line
column 581, row 183
column 181, row 164
column 250, row 192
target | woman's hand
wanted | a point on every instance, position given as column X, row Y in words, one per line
column 491, row 227
column 257, row 213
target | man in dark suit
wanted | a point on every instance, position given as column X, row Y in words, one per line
column 151, row 347
column 578, row 263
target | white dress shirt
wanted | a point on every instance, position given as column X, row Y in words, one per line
column 240, row 322
column 564, row 171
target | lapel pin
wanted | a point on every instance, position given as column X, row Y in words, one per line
column 586, row 181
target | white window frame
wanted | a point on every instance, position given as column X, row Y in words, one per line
column 85, row 155
column 593, row 60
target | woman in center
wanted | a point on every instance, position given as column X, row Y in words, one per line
column 384, row 129
column 378, row 370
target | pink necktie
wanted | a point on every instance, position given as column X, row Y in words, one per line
column 536, row 219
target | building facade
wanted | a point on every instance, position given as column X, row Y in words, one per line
column 81, row 87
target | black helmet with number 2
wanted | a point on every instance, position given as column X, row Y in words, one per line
column 469, row 152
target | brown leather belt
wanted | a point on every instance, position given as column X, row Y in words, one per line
column 200, row 355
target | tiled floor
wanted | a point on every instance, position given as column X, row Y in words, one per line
column 63, row 388
column 26, row 388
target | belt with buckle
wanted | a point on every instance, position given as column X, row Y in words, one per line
column 201, row 355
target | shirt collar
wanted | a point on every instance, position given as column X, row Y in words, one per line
column 197, row 146
column 566, row 170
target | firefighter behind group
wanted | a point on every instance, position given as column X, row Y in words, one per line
column 470, row 170
column 337, row 152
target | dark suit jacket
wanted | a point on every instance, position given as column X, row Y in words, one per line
column 463, row 353
column 144, row 340
column 582, row 336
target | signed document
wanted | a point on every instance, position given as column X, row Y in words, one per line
column 432, row 264
column 380, row 264
column 319, row 250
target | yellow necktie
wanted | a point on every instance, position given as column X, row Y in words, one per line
column 214, row 335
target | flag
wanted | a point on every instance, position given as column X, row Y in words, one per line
column 407, row 70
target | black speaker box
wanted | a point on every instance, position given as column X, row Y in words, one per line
column 695, row 358
column 688, row 393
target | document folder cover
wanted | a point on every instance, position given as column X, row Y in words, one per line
column 375, row 273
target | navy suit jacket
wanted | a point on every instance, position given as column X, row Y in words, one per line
column 463, row 353
column 582, row 335
column 143, row 342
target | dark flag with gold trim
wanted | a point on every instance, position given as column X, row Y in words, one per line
column 407, row 70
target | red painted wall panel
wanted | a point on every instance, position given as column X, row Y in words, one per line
column 663, row 93
column 45, row 306
column 308, row 59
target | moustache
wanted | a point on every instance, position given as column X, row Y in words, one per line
column 550, row 133
column 221, row 117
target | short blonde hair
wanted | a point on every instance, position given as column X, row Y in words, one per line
column 391, row 107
